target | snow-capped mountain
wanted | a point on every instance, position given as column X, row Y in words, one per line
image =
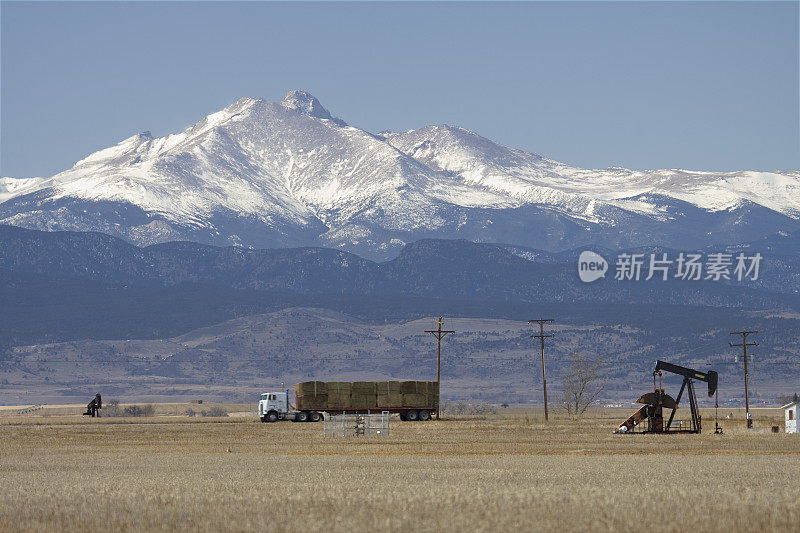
column 267, row 174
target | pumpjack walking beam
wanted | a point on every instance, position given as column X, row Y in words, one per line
column 689, row 374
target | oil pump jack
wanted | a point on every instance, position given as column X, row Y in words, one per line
column 652, row 412
column 93, row 407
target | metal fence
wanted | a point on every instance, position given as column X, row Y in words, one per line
column 357, row 425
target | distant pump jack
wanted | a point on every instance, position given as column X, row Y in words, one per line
column 93, row 407
column 652, row 413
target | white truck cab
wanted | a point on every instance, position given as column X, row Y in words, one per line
column 273, row 406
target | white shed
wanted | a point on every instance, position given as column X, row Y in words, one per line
column 790, row 415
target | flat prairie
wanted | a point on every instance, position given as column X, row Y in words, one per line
column 509, row 472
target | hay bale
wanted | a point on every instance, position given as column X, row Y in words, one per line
column 389, row 394
column 363, row 401
column 312, row 402
column 340, row 388
column 408, row 387
column 363, row 395
column 393, row 399
column 415, row 400
column 311, row 388
column 389, row 387
column 364, row 387
column 416, row 387
column 339, row 394
column 339, row 402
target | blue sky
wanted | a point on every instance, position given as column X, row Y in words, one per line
column 708, row 86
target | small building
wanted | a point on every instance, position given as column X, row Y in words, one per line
column 790, row 415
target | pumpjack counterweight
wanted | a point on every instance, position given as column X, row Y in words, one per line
column 651, row 414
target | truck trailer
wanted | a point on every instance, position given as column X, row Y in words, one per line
column 412, row 400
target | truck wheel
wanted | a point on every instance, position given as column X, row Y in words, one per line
column 424, row 416
column 403, row 417
column 315, row 417
column 412, row 416
column 302, row 416
column 272, row 416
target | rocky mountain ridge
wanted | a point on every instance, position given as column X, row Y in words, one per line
column 263, row 174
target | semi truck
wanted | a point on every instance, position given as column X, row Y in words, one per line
column 412, row 400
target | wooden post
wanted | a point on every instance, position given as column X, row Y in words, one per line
column 542, row 336
column 744, row 346
column 439, row 333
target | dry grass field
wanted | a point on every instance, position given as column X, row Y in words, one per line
column 468, row 474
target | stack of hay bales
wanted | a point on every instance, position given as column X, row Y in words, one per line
column 339, row 394
column 312, row 395
column 420, row 393
column 390, row 394
column 365, row 395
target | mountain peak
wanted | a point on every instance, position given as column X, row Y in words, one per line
column 277, row 174
column 305, row 103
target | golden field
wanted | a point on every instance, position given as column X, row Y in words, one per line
column 512, row 471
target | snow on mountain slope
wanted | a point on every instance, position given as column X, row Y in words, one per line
column 259, row 173
column 535, row 179
column 266, row 160
column 11, row 187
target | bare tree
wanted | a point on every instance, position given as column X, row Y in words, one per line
column 581, row 387
column 112, row 408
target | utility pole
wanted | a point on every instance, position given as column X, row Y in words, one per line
column 439, row 333
column 744, row 346
column 542, row 336
column 717, row 427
